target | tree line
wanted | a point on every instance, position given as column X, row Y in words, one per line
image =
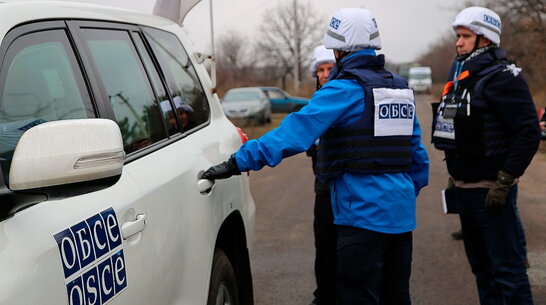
column 289, row 32
column 523, row 36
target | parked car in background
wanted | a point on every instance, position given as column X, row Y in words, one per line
column 250, row 103
column 101, row 200
column 282, row 101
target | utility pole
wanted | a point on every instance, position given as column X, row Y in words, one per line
column 296, row 48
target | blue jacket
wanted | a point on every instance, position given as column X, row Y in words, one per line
column 378, row 202
column 380, row 141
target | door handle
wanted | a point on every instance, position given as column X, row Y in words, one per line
column 205, row 186
column 131, row 228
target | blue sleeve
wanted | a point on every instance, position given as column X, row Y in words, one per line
column 339, row 102
column 419, row 170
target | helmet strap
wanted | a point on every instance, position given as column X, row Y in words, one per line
column 476, row 44
column 318, row 84
column 341, row 56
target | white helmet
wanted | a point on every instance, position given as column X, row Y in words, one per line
column 481, row 21
column 352, row 29
column 321, row 55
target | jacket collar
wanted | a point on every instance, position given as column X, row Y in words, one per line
column 363, row 59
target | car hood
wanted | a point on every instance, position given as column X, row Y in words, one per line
column 240, row 104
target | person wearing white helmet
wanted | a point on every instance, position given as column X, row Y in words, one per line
column 486, row 124
column 183, row 111
column 323, row 224
column 321, row 64
column 370, row 153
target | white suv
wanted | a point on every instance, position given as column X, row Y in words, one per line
column 107, row 122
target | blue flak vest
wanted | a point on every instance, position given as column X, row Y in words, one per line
column 463, row 121
column 355, row 148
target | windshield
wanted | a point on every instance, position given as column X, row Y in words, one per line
column 241, row 96
column 419, row 76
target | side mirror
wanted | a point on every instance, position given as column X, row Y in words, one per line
column 65, row 152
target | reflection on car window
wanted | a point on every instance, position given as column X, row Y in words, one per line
column 41, row 82
column 180, row 75
column 241, row 96
column 155, row 80
column 123, row 76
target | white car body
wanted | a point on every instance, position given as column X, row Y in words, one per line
column 162, row 223
column 420, row 79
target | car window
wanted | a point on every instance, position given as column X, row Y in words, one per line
column 182, row 81
column 41, row 82
column 157, row 85
column 133, row 102
column 241, row 96
column 274, row 94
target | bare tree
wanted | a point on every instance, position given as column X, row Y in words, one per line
column 287, row 36
column 235, row 64
column 232, row 49
column 439, row 57
column 523, row 37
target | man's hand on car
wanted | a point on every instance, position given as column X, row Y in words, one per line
column 223, row 170
column 496, row 197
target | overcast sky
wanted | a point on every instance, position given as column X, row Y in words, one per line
column 407, row 27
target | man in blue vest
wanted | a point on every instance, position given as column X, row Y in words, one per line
column 370, row 153
column 487, row 125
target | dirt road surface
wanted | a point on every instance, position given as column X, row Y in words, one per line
column 283, row 255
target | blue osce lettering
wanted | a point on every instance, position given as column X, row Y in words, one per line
column 492, row 20
column 335, row 23
column 396, row 111
column 444, row 127
column 92, row 257
column 90, row 282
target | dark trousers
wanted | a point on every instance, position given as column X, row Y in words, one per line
column 325, row 246
column 373, row 268
column 493, row 248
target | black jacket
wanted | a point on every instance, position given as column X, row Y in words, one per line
column 509, row 99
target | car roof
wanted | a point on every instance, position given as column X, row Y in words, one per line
column 16, row 12
column 259, row 89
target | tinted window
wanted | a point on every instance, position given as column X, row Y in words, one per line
column 157, row 85
column 41, row 82
column 274, row 94
column 181, row 77
column 135, row 108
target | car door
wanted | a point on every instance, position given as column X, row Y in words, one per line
column 74, row 248
column 148, row 78
column 279, row 103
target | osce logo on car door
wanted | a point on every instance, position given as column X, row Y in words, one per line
column 93, row 261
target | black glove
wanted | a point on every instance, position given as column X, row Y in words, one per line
column 496, row 197
column 223, row 170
